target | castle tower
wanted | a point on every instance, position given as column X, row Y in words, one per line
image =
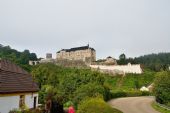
column 48, row 56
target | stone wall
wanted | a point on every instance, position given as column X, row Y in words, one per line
column 119, row 69
column 77, row 55
column 71, row 63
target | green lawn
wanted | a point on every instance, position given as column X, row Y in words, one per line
column 160, row 109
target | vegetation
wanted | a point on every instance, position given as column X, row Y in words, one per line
column 160, row 109
column 20, row 58
column 130, row 82
column 155, row 62
column 135, row 93
column 162, row 88
column 95, row 105
column 71, row 83
column 25, row 111
column 122, row 59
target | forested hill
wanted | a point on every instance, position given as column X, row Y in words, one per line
column 21, row 58
column 155, row 61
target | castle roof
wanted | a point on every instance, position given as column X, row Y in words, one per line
column 14, row 79
column 109, row 57
column 77, row 49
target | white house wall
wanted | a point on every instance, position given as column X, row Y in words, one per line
column 29, row 100
column 8, row 103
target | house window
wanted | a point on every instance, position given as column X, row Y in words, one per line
column 22, row 101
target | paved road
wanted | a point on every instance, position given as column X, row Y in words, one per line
column 134, row 104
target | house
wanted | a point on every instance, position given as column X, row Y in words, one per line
column 84, row 53
column 108, row 61
column 17, row 88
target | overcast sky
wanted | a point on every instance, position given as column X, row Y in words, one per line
column 112, row 27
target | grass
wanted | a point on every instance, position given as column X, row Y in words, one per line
column 160, row 109
column 130, row 81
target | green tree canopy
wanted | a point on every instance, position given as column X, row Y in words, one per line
column 162, row 88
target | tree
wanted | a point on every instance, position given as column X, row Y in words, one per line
column 32, row 56
column 72, row 83
column 88, row 90
column 156, row 62
column 162, row 88
column 122, row 59
column 20, row 58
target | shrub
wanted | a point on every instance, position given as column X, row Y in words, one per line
column 68, row 104
column 95, row 105
column 26, row 111
column 162, row 88
column 15, row 111
column 134, row 93
column 88, row 90
column 117, row 94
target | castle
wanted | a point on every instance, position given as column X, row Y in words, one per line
column 86, row 56
column 84, row 53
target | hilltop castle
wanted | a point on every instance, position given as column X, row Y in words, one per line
column 84, row 53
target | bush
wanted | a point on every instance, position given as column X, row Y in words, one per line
column 121, row 93
column 95, row 105
column 137, row 93
column 68, row 104
column 117, row 94
column 88, row 90
column 26, row 111
column 162, row 88
column 15, row 111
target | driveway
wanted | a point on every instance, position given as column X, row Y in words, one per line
column 134, row 104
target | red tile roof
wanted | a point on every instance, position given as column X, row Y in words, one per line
column 14, row 79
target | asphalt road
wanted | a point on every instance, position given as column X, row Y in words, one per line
column 134, row 104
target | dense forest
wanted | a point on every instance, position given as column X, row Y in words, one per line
column 20, row 58
column 155, row 62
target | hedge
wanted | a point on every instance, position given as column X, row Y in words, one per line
column 121, row 93
column 95, row 105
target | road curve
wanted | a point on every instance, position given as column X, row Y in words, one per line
column 134, row 104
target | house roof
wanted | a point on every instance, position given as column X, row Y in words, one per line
column 14, row 79
column 77, row 48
